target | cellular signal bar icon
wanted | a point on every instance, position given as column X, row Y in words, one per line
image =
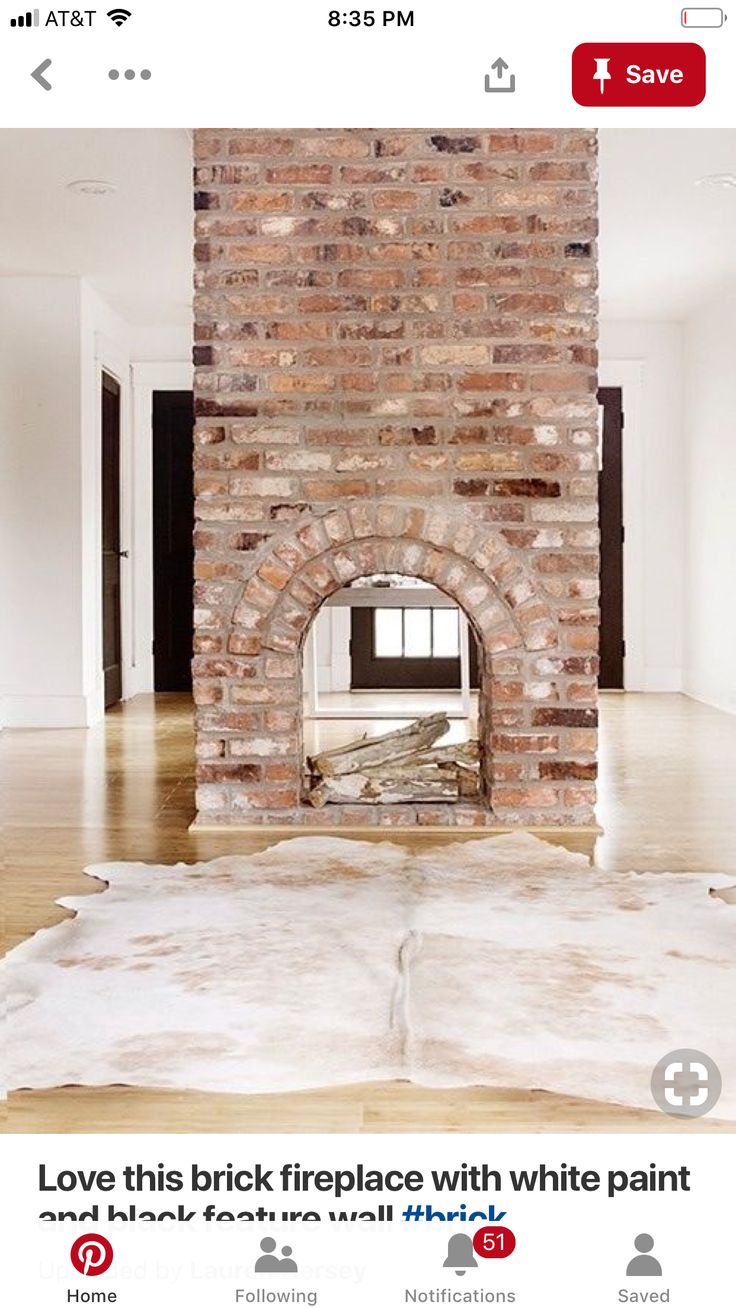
column 29, row 19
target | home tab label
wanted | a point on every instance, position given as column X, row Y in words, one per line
column 616, row 74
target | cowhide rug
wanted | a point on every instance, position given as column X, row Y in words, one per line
column 321, row 962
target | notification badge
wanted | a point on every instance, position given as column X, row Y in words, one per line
column 494, row 1242
column 638, row 74
column 91, row 1255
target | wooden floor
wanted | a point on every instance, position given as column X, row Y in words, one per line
column 124, row 791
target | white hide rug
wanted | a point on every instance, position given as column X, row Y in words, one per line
column 505, row 962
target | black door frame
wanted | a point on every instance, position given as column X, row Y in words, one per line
column 110, row 401
column 173, row 538
column 611, row 523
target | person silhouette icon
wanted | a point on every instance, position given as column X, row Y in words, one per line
column 644, row 1264
column 287, row 1263
column 268, row 1262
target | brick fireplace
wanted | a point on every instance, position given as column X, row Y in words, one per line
column 396, row 373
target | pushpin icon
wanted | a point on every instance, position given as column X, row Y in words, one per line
column 602, row 73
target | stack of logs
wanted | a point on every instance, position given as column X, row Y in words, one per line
column 401, row 767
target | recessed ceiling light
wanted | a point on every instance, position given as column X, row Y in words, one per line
column 88, row 186
column 726, row 181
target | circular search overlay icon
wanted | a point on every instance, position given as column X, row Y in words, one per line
column 494, row 1242
column 686, row 1083
column 91, row 1255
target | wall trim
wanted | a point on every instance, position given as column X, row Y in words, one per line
column 44, row 712
column 716, row 704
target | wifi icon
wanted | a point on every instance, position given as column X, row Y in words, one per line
column 119, row 16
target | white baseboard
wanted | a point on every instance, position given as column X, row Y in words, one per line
column 712, row 701
column 654, row 680
column 36, row 712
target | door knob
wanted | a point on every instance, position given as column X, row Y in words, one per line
column 123, row 554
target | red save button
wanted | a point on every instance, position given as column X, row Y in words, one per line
column 612, row 74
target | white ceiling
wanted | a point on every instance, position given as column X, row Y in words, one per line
column 135, row 247
column 665, row 242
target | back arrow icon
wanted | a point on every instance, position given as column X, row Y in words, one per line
column 38, row 74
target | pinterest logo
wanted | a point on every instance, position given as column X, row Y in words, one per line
column 91, row 1255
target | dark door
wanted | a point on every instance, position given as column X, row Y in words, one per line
column 111, row 623
column 610, row 499
column 407, row 649
column 173, row 545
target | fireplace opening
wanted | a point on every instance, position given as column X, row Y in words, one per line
column 391, row 676
column 253, row 702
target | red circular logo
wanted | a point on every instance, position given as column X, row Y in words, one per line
column 91, row 1255
column 494, row 1242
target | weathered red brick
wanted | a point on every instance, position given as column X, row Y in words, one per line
column 251, row 772
column 326, row 489
column 529, row 487
column 493, row 381
column 447, row 144
column 515, row 797
column 395, row 355
column 526, row 743
column 301, row 174
column 564, row 771
column 565, row 717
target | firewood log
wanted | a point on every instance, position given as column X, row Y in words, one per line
column 463, row 754
column 356, row 757
column 431, row 786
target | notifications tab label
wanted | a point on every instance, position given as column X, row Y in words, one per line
column 639, row 74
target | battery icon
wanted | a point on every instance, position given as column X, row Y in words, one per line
column 703, row 18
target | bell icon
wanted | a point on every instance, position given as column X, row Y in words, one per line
column 460, row 1254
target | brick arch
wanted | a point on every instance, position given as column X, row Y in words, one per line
column 259, row 683
column 469, row 561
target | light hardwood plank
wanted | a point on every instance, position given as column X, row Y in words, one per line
column 124, row 790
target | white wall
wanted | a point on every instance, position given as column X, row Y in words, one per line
column 104, row 346
column 710, row 416
column 162, row 345
column 648, row 358
column 56, row 336
column 41, row 551
column 331, row 634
